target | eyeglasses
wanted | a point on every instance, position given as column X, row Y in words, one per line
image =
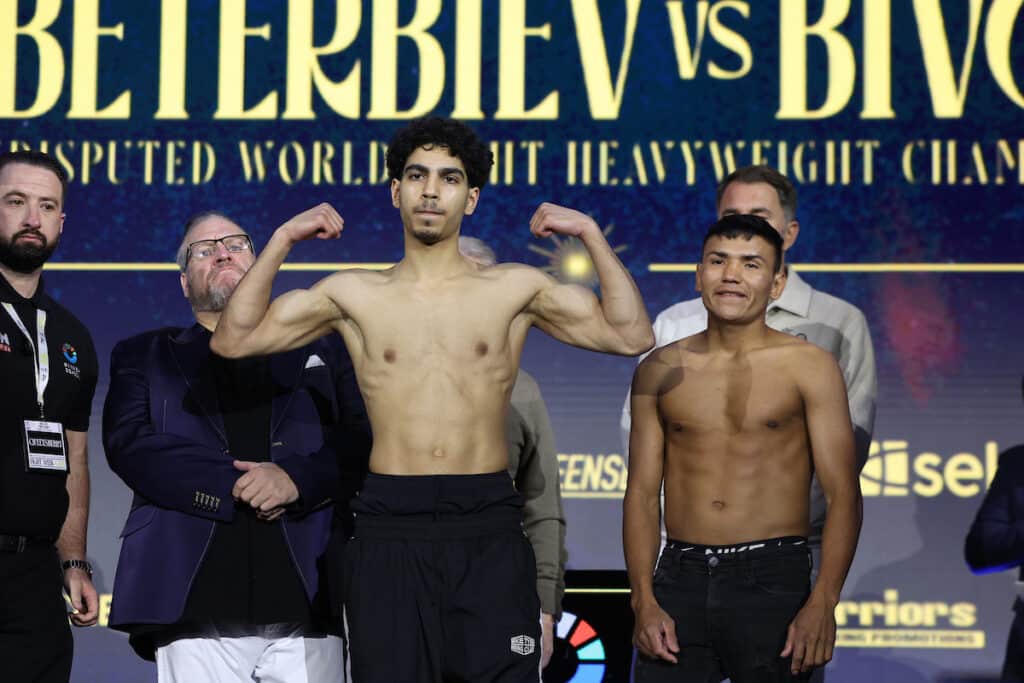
column 233, row 244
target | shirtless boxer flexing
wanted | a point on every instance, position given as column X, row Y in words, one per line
column 440, row 578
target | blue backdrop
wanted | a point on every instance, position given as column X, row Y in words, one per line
column 900, row 122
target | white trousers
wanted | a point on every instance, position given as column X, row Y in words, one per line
column 272, row 655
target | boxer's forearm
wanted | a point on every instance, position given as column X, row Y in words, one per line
column 838, row 543
column 621, row 304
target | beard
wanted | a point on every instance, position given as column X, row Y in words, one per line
column 214, row 299
column 26, row 256
column 211, row 298
column 429, row 233
column 427, row 229
column 429, row 237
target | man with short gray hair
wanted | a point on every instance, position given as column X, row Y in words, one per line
column 233, row 464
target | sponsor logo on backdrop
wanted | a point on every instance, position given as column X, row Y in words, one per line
column 897, row 622
column 893, row 469
column 592, row 475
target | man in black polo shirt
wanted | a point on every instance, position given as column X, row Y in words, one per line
column 233, row 464
column 48, row 369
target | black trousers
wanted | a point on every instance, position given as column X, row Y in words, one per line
column 35, row 638
column 441, row 582
column 731, row 611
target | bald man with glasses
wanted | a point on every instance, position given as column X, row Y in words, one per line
column 233, row 465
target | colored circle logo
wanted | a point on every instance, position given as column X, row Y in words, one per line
column 585, row 644
column 70, row 355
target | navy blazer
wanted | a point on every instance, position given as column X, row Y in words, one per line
column 996, row 538
column 164, row 436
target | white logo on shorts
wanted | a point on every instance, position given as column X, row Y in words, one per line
column 523, row 645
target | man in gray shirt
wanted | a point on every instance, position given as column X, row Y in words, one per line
column 533, row 465
column 824, row 320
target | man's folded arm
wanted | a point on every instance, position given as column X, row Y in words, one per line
column 168, row 470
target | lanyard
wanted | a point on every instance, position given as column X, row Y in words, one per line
column 40, row 351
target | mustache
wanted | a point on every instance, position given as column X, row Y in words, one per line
column 217, row 269
column 34, row 232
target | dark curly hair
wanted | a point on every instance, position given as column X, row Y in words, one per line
column 455, row 136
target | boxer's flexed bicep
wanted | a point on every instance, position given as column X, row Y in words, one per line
column 322, row 222
column 292, row 320
column 615, row 323
column 297, row 318
column 571, row 314
column 300, row 316
column 251, row 324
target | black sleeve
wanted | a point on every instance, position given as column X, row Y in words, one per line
column 996, row 538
